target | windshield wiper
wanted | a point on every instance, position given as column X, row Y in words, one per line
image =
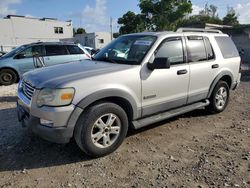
column 106, row 59
column 110, row 60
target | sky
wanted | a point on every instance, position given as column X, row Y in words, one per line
column 94, row 15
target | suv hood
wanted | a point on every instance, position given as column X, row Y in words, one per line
column 54, row 76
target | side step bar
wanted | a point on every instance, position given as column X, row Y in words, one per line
column 169, row 114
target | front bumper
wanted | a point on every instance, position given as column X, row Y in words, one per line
column 63, row 118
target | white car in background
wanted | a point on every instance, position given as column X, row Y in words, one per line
column 90, row 50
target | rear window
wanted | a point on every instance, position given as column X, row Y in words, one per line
column 53, row 50
column 74, row 49
column 227, row 47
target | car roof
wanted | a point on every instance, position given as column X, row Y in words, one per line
column 164, row 33
column 51, row 43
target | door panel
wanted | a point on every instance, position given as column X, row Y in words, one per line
column 201, row 59
column 25, row 58
column 163, row 89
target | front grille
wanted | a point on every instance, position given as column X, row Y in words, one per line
column 27, row 89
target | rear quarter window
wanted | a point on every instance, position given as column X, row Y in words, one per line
column 74, row 49
column 227, row 47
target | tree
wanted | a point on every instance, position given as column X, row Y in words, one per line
column 131, row 23
column 156, row 15
column 210, row 11
column 207, row 15
column 78, row 31
column 231, row 18
column 116, row 35
column 164, row 14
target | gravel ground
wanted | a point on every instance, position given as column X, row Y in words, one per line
column 194, row 150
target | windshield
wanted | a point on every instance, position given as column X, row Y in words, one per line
column 126, row 49
column 14, row 52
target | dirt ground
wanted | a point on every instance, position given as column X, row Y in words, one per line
column 194, row 150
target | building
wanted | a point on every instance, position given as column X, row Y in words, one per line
column 18, row 30
column 96, row 40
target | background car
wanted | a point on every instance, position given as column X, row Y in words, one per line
column 28, row 57
column 91, row 50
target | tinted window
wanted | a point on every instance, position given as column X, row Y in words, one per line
column 27, row 53
column 74, row 49
column 52, row 50
column 37, row 50
column 227, row 47
column 209, row 49
column 196, row 49
column 171, row 49
column 30, row 52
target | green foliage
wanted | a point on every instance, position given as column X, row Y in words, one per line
column 131, row 23
column 199, row 21
column 116, row 35
column 164, row 14
column 80, row 31
column 208, row 15
column 210, row 11
column 231, row 18
column 156, row 15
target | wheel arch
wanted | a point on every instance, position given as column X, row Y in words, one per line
column 223, row 76
column 119, row 97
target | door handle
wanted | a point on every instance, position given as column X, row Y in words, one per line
column 215, row 66
column 180, row 72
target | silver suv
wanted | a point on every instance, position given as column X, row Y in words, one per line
column 136, row 80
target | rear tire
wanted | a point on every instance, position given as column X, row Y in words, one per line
column 219, row 98
column 7, row 77
column 101, row 129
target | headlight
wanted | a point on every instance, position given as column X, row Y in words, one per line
column 55, row 97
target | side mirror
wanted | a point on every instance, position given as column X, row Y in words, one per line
column 159, row 63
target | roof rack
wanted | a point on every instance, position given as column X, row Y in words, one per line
column 198, row 30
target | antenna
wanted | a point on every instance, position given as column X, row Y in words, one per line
column 111, row 28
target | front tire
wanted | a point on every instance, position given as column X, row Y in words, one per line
column 7, row 77
column 219, row 98
column 101, row 129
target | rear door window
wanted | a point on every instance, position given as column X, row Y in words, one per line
column 38, row 50
column 74, row 49
column 196, row 49
column 54, row 50
column 227, row 47
column 209, row 49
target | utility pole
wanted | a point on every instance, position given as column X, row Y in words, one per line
column 111, row 28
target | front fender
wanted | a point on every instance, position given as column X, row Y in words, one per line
column 6, row 64
column 110, row 93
